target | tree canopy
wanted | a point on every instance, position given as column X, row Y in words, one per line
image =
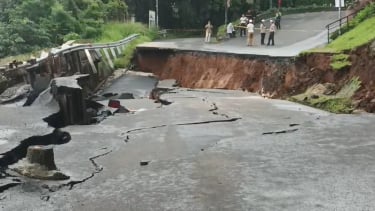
column 29, row 25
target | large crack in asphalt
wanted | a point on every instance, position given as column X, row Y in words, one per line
column 280, row 132
column 181, row 124
column 19, row 152
column 12, row 156
column 72, row 183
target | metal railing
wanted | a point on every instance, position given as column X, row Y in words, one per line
column 339, row 26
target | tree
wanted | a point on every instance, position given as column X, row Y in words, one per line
column 116, row 10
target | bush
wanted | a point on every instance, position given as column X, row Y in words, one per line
column 116, row 31
column 71, row 36
column 125, row 60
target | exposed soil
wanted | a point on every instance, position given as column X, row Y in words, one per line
column 269, row 76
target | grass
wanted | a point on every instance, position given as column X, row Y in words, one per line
column 116, row 31
column 340, row 61
column 359, row 36
column 335, row 105
column 125, row 60
column 338, row 103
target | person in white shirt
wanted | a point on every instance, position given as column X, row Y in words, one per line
column 243, row 23
column 230, row 30
column 208, row 28
column 272, row 33
column 263, row 29
column 250, row 33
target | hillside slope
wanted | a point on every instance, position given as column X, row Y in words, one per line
column 349, row 61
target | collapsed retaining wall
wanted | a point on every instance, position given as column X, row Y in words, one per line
column 269, row 76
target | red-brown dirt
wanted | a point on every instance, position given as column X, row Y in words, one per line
column 268, row 76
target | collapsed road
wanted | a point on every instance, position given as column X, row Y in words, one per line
column 206, row 150
column 197, row 160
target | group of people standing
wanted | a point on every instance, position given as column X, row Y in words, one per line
column 247, row 27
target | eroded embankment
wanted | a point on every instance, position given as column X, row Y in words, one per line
column 269, row 76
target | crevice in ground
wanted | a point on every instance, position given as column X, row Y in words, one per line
column 280, row 132
column 179, row 124
column 205, row 91
column 72, row 183
column 12, row 156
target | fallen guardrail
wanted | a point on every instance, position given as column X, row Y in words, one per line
column 97, row 60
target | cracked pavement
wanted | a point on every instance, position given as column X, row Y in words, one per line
column 208, row 150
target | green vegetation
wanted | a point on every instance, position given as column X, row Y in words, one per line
column 360, row 35
column 340, row 61
column 359, row 32
column 124, row 60
column 336, row 103
column 112, row 32
column 31, row 25
column 116, row 31
column 363, row 15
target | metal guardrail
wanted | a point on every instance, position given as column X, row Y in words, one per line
column 68, row 60
column 336, row 26
column 97, row 46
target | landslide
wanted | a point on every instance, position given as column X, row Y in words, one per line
column 339, row 78
column 268, row 76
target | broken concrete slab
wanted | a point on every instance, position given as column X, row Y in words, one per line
column 15, row 93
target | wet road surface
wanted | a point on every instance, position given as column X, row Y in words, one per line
column 208, row 150
column 299, row 32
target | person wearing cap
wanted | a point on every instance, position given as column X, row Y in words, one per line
column 272, row 33
column 263, row 29
column 250, row 33
column 243, row 23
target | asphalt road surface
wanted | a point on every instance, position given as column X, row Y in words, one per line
column 298, row 32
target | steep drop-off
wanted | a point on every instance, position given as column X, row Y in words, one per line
column 268, row 76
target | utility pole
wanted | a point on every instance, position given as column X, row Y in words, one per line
column 270, row 4
column 157, row 13
column 226, row 14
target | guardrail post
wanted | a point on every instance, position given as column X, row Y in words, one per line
column 113, row 53
column 119, row 50
column 109, row 59
column 347, row 21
